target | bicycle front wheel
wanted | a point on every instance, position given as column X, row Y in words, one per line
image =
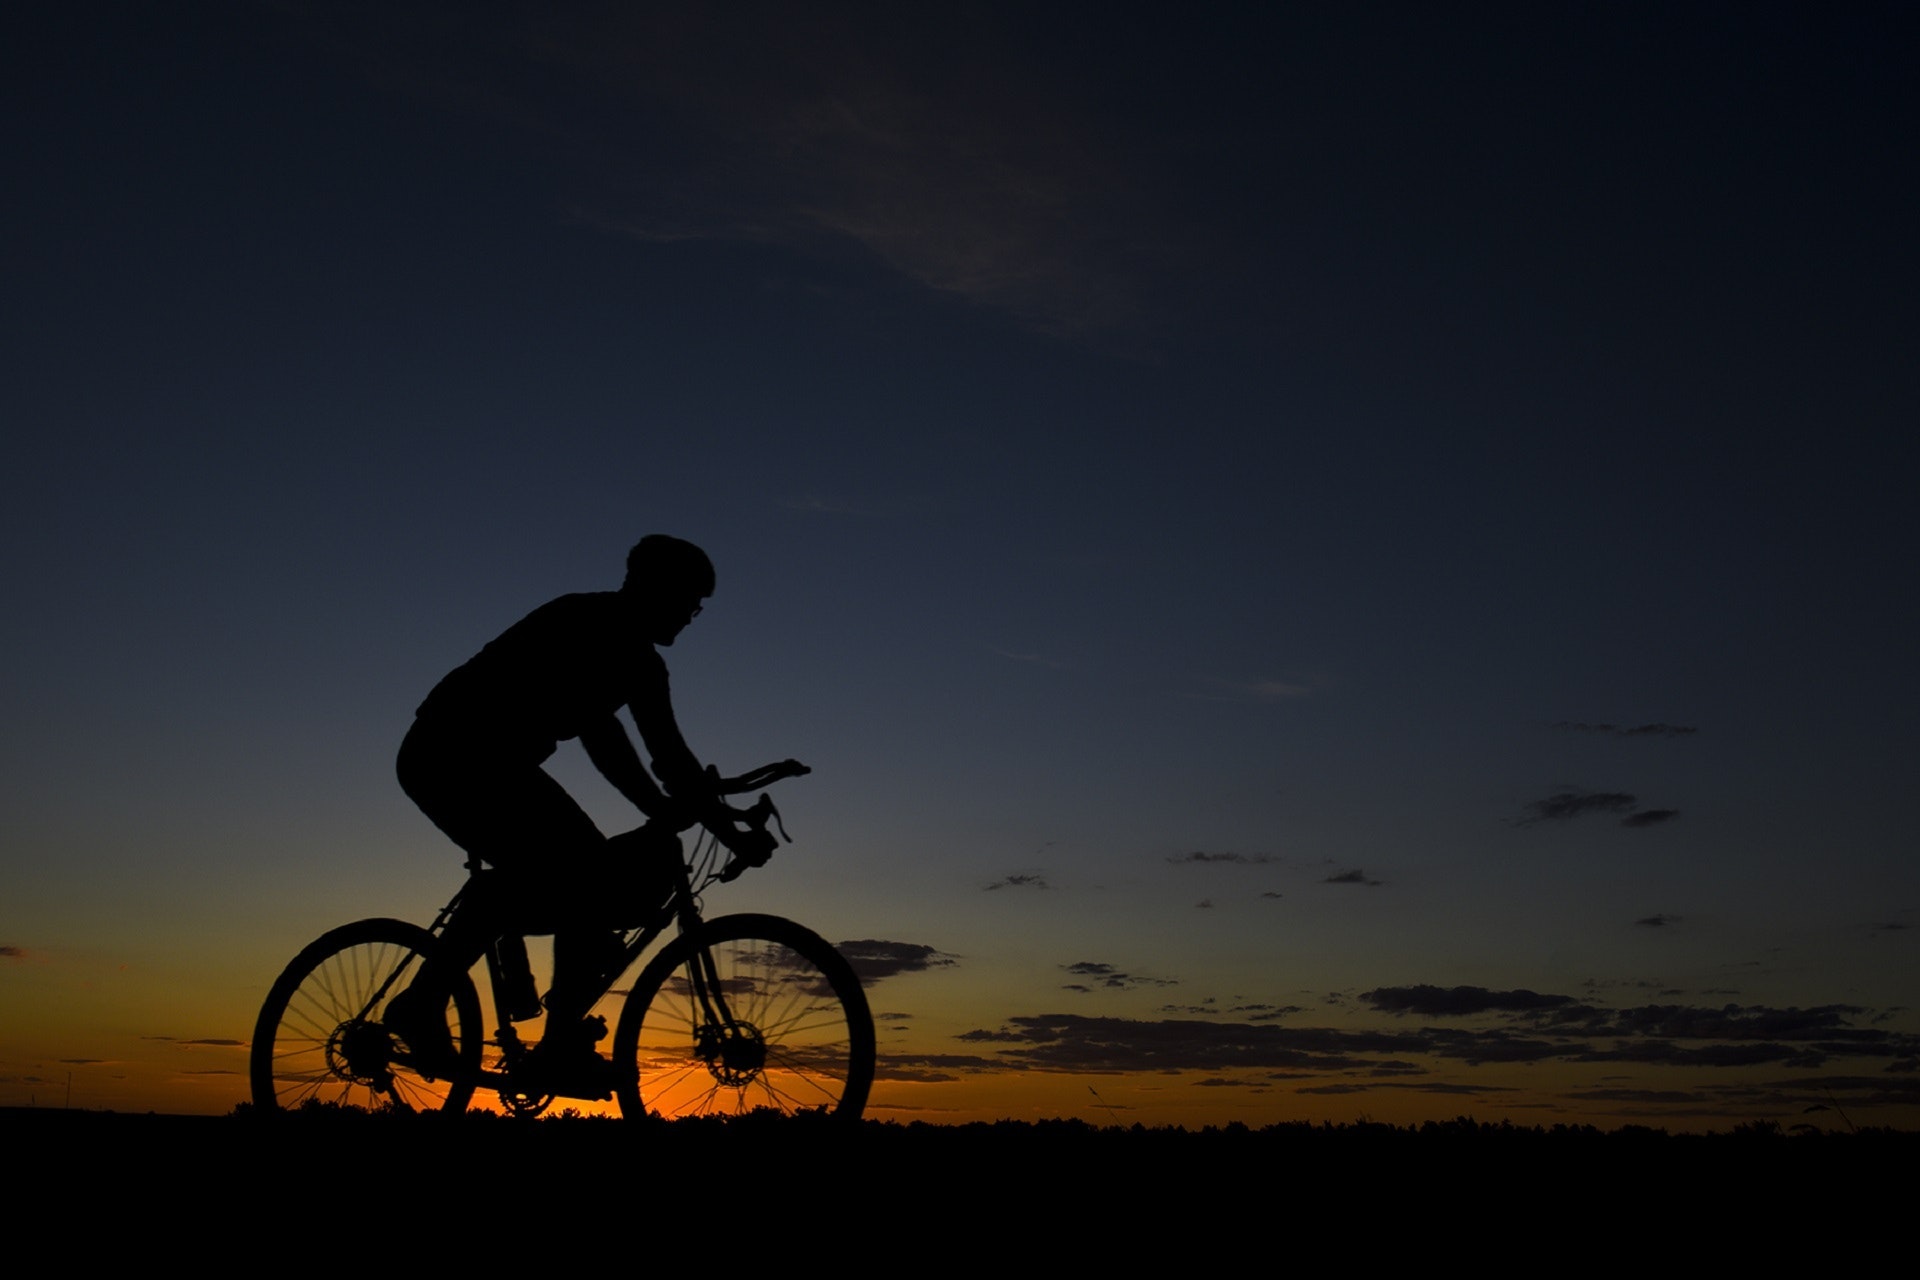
column 322, row 1038
column 786, row 1026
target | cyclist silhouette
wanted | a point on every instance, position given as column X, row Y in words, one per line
column 472, row 762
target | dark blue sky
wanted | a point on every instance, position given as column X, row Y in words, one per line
column 1122, row 435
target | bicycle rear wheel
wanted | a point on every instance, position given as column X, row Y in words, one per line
column 322, row 1038
column 800, row 1037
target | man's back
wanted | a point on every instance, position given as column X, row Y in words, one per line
column 570, row 663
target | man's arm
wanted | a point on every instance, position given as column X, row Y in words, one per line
column 612, row 753
column 686, row 781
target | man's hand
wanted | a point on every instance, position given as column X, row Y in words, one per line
column 752, row 846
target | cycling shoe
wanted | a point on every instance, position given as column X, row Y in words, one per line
column 419, row 1017
column 564, row 1064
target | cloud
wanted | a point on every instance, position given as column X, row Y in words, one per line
column 1649, row 817
column 933, row 1068
column 1833, row 1023
column 820, row 130
column 1109, row 976
column 1091, row 968
column 1476, row 1047
column 1070, row 1042
column 1563, row 806
column 1205, row 904
column 1453, row 1002
column 1668, row 1054
column 1241, row 859
column 1658, row 729
column 9, row 952
column 874, row 958
column 798, row 126
column 1021, row 882
column 1658, row 921
column 1355, row 876
column 1637, row 1095
column 1551, row 1028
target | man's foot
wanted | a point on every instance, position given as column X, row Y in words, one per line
column 419, row 1017
column 565, row 1064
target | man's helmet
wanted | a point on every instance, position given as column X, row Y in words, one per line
column 661, row 563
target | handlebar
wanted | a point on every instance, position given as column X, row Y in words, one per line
column 754, row 779
column 756, row 845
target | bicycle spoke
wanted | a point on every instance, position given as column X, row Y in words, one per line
column 320, row 1036
column 786, row 1028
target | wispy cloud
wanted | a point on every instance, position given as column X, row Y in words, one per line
column 1658, row 921
column 1649, row 817
column 876, row 958
column 1071, row 1042
column 10, row 952
column 1658, row 729
column 1550, row 1027
column 1025, row 881
column 1355, row 876
column 1564, row 806
column 1451, row 1002
column 815, row 128
column 1241, row 859
column 1257, row 690
column 933, row 1068
column 1101, row 974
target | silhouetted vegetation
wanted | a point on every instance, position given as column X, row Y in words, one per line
column 1143, row 1182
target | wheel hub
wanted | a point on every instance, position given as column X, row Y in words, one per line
column 361, row 1052
column 735, row 1055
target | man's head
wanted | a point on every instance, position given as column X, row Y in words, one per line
column 667, row 579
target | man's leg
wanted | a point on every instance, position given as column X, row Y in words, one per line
column 522, row 822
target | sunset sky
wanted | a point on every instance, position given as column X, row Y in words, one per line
column 1330, row 560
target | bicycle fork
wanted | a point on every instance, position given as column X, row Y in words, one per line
column 733, row 1051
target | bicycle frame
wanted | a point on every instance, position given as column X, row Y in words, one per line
column 682, row 907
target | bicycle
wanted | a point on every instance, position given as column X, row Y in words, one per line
column 734, row 1014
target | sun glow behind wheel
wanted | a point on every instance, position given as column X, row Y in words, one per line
column 801, row 1038
column 321, row 1037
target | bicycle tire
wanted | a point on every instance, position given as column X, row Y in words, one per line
column 320, row 1039
column 804, row 1040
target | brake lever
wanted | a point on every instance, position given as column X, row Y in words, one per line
column 757, row 817
column 766, row 803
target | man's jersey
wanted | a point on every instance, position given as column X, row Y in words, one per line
column 568, row 665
